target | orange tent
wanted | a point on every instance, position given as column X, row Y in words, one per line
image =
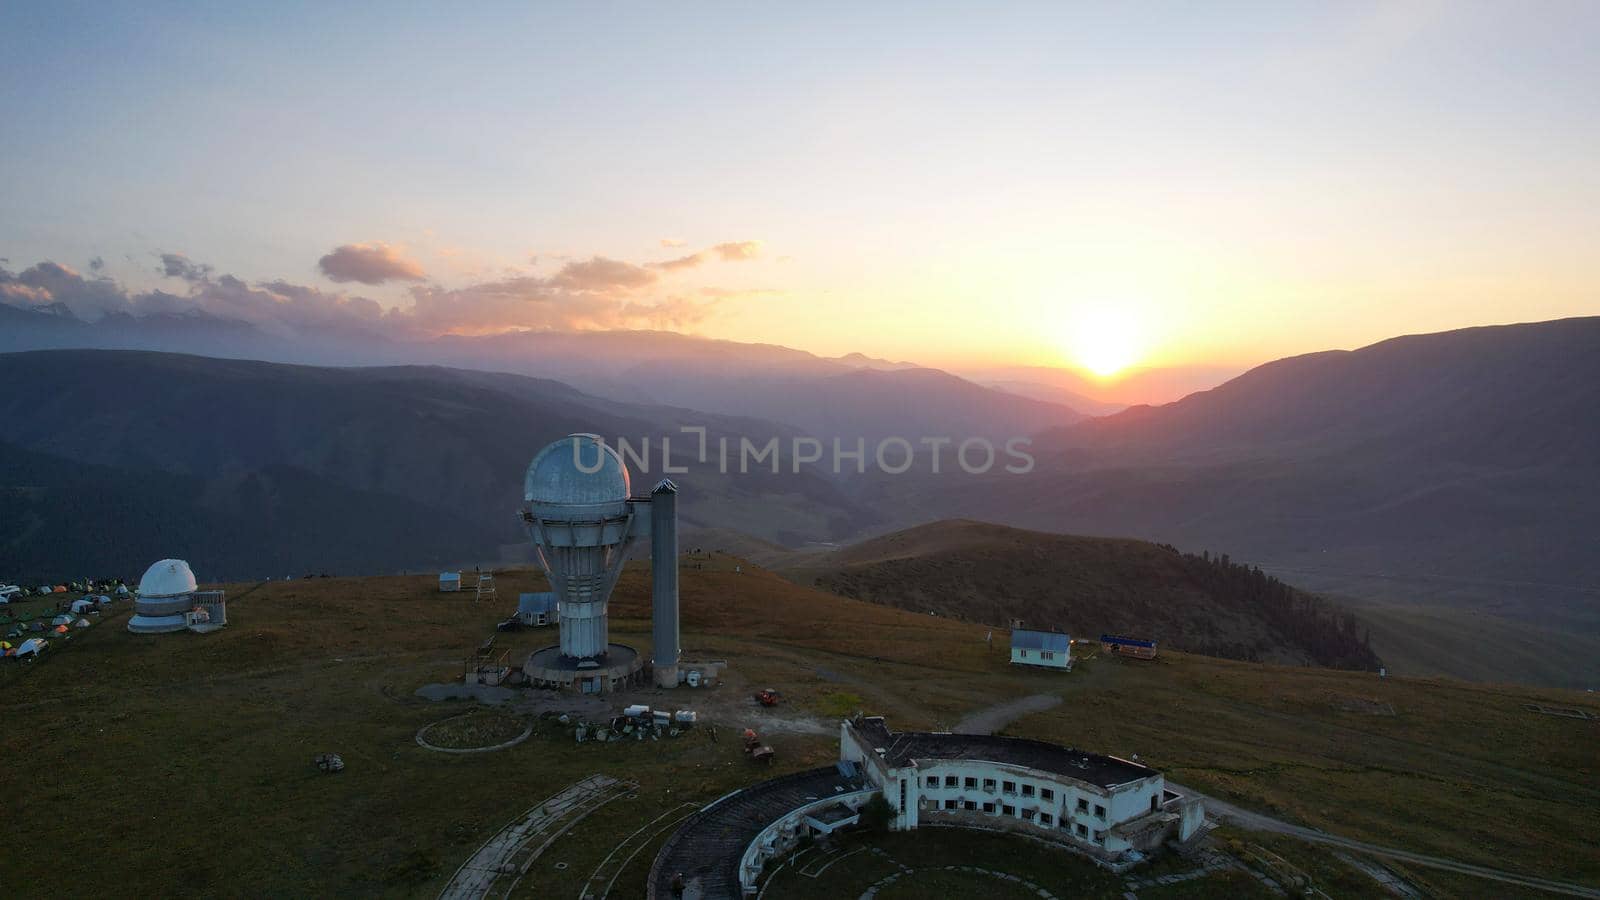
column 61, row 629
column 60, row 589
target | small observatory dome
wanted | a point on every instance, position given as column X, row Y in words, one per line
column 575, row 478
column 167, row 578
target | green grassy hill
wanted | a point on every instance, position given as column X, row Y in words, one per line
column 181, row 765
column 1087, row 586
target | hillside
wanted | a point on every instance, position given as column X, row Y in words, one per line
column 1455, row 469
column 1087, row 586
column 411, row 463
column 188, row 737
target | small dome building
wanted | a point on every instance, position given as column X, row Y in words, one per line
column 169, row 599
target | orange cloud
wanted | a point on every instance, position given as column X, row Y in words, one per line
column 372, row 263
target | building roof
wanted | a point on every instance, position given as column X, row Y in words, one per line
column 1127, row 641
column 167, row 578
column 1025, row 639
column 540, row 602
column 706, row 848
column 557, row 477
column 901, row 748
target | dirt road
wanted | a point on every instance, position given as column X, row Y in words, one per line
column 1254, row 821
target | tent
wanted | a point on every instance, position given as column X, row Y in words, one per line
column 81, row 623
column 122, row 590
column 103, row 600
column 83, row 605
column 61, row 629
column 61, row 620
column 31, row 647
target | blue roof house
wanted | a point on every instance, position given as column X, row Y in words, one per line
column 1049, row 649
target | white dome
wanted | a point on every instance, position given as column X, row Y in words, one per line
column 167, row 578
column 557, row 478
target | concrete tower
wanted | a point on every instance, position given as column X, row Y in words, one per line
column 664, row 581
column 581, row 522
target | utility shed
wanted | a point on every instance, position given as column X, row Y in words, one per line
column 538, row 608
column 449, row 581
column 1138, row 648
column 1049, row 649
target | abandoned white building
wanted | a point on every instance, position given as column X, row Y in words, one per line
column 1102, row 805
column 1049, row 649
column 1110, row 809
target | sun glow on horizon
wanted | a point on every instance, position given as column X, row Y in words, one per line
column 1104, row 339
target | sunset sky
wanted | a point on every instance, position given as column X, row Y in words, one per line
column 1100, row 186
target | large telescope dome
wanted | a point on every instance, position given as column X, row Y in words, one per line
column 167, row 578
column 576, row 477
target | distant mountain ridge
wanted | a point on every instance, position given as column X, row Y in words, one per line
column 432, row 458
column 849, row 397
column 1460, row 468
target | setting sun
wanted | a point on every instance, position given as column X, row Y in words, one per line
column 1103, row 340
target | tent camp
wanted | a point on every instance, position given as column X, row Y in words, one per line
column 61, row 620
column 31, row 647
column 84, row 605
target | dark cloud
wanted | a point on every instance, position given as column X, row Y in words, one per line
column 97, row 264
column 372, row 263
column 595, row 293
column 176, row 265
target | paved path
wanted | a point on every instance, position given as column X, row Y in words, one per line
column 1254, row 821
column 996, row 717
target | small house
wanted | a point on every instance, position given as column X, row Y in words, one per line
column 538, row 609
column 449, row 581
column 1049, row 649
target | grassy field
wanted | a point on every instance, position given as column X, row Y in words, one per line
column 182, row 764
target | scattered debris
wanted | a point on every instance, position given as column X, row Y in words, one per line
column 330, row 763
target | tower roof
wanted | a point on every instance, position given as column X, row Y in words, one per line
column 579, row 470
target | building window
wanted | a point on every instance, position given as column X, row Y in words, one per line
column 1008, row 809
column 1155, row 802
column 970, row 806
column 903, row 795
column 933, row 781
column 1010, row 787
column 989, row 808
column 1028, row 814
column 1083, row 830
column 951, row 781
column 988, row 785
column 1024, row 654
column 971, row 784
column 1027, row 790
column 1099, row 837
column 1046, row 819
column 1083, row 805
column 1047, row 795
column 1046, row 654
column 1099, row 811
column 949, row 804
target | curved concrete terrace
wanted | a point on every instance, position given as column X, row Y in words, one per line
column 709, row 845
